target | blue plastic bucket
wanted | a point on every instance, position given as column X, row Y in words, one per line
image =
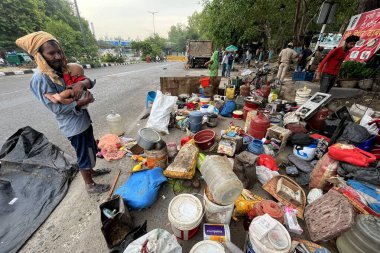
column 150, row 97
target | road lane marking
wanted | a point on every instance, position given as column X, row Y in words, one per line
column 12, row 92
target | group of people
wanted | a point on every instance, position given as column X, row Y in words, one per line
column 326, row 70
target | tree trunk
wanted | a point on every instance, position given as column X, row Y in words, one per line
column 296, row 22
column 343, row 26
column 368, row 5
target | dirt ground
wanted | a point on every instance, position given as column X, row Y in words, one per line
column 74, row 226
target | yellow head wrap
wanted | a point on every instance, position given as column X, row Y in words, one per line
column 31, row 43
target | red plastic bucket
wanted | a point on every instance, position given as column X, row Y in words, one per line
column 205, row 81
column 204, row 139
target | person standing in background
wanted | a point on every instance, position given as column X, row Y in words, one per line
column 284, row 60
column 302, row 60
column 224, row 63
column 330, row 65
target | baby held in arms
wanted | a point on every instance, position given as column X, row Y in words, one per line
column 75, row 74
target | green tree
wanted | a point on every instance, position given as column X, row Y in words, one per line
column 19, row 17
column 67, row 37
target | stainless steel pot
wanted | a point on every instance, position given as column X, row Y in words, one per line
column 148, row 138
column 212, row 120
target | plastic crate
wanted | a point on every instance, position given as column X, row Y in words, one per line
column 303, row 76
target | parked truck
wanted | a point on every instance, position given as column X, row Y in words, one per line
column 198, row 52
column 17, row 59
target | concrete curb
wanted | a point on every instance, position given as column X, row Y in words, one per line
column 85, row 66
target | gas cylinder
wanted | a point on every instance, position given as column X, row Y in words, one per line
column 259, row 125
column 246, row 109
column 317, row 122
column 115, row 123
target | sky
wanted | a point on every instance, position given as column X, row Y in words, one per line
column 131, row 19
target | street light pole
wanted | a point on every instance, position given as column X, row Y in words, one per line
column 154, row 28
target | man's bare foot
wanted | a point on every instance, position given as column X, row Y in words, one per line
column 97, row 188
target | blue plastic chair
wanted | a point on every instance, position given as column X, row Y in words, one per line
column 150, row 97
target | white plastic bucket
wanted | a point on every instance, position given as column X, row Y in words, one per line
column 216, row 213
column 207, row 246
column 185, row 214
column 276, row 241
column 302, row 95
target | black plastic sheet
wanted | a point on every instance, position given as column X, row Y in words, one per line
column 34, row 177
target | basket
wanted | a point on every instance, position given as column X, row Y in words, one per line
column 303, row 76
column 271, row 187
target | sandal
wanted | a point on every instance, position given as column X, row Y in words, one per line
column 99, row 172
column 99, row 188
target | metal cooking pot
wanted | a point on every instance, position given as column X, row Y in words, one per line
column 212, row 120
column 148, row 138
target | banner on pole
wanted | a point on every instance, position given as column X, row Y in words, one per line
column 367, row 26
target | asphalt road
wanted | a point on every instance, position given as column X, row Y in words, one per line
column 119, row 88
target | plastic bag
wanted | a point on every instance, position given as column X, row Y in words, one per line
column 267, row 161
column 372, row 129
column 156, row 241
column 184, row 163
column 141, row 189
column 369, row 192
column 160, row 114
column 325, row 168
column 264, row 174
column 228, row 108
column 245, row 202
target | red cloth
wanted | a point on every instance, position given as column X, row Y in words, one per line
column 351, row 154
column 332, row 62
column 70, row 80
column 267, row 161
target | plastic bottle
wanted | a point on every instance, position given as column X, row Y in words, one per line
column 223, row 183
column 115, row 123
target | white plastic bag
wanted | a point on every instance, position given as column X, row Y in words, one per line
column 160, row 114
column 264, row 174
column 157, row 241
column 372, row 129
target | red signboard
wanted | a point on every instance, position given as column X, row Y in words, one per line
column 367, row 26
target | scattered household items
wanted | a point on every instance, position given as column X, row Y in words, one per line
column 350, row 154
column 157, row 158
column 115, row 217
column 264, row 174
column 369, row 192
column 313, row 195
column 207, row 246
column 300, row 163
column 354, row 134
column 259, row 125
column 34, row 177
column 362, row 237
column 141, row 189
column 195, row 121
column 150, row 97
column 223, row 184
column 302, row 95
column 267, row 235
column 109, row 146
column 216, row 232
column 184, row 163
column 148, row 138
column 205, row 139
column 329, row 216
column 245, row 168
column 212, row 120
column 287, row 192
column 311, row 106
column 245, row 202
column 185, row 213
column 290, row 221
column 267, row 207
column 364, row 174
column 325, row 169
column 160, row 114
column 214, row 213
column 157, row 240
column 115, row 123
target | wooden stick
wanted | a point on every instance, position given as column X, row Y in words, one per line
column 114, row 184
